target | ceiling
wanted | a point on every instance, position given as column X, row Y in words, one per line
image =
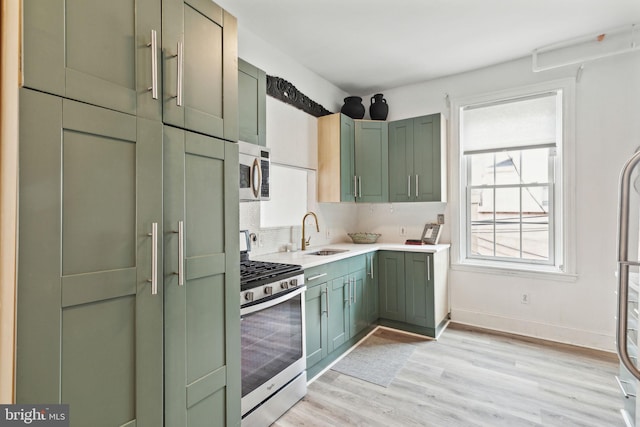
column 366, row 46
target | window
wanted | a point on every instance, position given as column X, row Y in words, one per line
column 512, row 204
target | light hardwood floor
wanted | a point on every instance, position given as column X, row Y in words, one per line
column 472, row 377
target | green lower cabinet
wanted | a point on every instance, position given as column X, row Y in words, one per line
column 413, row 291
column 336, row 312
column 89, row 321
column 371, row 287
column 391, row 285
column 316, row 323
column 357, row 303
column 419, row 289
column 201, row 310
column 103, row 198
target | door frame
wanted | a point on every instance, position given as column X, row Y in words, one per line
column 9, row 83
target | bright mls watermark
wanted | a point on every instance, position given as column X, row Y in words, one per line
column 53, row 415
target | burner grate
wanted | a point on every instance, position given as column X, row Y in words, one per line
column 254, row 271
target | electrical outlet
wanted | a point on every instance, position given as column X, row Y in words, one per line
column 403, row 230
column 260, row 240
column 525, row 299
column 440, row 218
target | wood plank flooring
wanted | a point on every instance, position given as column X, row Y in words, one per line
column 472, row 377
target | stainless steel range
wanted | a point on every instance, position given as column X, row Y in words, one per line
column 272, row 337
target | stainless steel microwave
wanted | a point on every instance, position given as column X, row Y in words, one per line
column 254, row 171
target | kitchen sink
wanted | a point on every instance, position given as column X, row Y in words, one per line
column 326, row 252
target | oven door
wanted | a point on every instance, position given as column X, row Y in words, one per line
column 273, row 346
column 250, row 177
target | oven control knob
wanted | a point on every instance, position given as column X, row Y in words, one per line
column 284, row 285
column 248, row 296
column 268, row 290
column 294, row 282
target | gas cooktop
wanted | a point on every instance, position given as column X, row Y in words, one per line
column 256, row 273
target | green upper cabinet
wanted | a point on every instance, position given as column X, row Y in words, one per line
column 200, row 69
column 201, row 267
column 336, row 158
column 347, row 158
column 352, row 160
column 252, row 100
column 103, row 53
column 417, row 160
column 89, row 308
column 372, row 167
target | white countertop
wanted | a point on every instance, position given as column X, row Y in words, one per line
column 307, row 260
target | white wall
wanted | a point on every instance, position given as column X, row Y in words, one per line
column 607, row 132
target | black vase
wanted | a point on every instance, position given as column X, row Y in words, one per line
column 353, row 107
column 379, row 108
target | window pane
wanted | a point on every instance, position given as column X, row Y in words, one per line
column 535, row 225
column 535, row 166
column 508, row 222
column 481, row 216
column 481, row 169
column 508, row 167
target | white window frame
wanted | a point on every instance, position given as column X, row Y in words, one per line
column 564, row 194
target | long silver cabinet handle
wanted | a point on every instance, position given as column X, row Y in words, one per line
column 154, row 258
column 326, row 295
column 180, row 56
column 416, row 185
column 355, row 292
column 408, row 185
column 428, row 269
column 371, row 265
column 348, row 296
column 355, row 186
column 180, row 252
column 153, row 44
column 360, row 186
column 621, row 385
column 316, row 277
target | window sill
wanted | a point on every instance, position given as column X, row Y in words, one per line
column 499, row 268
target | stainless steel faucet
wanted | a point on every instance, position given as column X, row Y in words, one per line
column 305, row 243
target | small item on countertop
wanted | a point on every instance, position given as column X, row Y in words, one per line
column 414, row 242
column 364, row 237
column 431, row 233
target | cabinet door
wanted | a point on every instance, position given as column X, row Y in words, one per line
column 316, row 299
column 252, row 101
column 89, row 322
column 426, row 158
column 338, row 312
column 201, row 315
column 371, row 287
column 200, row 68
column 419, row 289
column 94, row 51
column 347, row 159
column 372, row 167
column 391, row 285
column 401, row 173
column 358, row 303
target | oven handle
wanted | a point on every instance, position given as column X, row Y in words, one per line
column 272, row 302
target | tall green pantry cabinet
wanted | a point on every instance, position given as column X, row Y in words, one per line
column 128, row 253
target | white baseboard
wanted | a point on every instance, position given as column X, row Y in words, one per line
column 561, row 334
